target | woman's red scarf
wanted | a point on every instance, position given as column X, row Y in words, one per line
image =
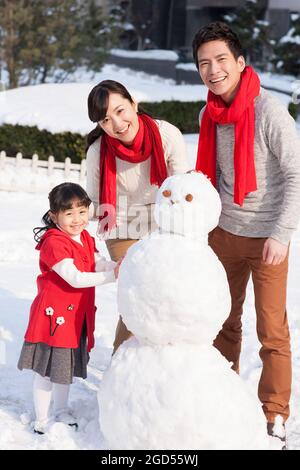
column 147, row 143
column 241, row 114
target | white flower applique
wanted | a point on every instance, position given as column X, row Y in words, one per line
column 59, row 320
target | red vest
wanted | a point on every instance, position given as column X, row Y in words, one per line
column 56, row 299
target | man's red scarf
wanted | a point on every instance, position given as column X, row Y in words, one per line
column 147, row 143
column 241, row 114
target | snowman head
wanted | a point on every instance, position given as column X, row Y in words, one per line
column 187, row 205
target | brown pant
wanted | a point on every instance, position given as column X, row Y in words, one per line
column 242, row 256
column 118, row 248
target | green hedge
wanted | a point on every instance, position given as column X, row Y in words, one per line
column 294, row 110
column 183, row 114
column 30, row 140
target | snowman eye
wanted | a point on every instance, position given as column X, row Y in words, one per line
column 166, row 193
column 189, row 197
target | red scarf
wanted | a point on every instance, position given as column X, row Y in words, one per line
column 241, row 114
column 147, row 143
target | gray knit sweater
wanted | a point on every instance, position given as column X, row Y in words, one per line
column 273, row 209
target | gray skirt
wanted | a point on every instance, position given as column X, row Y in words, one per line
column 59, row 364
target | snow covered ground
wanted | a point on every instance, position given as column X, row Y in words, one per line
column 21, row 211
column 63, row 107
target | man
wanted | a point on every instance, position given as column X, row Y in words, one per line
column 249, row 147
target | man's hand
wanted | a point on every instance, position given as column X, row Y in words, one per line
column 274, row 252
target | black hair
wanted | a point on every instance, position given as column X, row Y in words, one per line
column 61, row 198
column 98, row 101
column 217, row 31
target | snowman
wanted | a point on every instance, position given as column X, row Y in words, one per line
column 167, row 387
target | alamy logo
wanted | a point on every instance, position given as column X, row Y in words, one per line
column 296, row 92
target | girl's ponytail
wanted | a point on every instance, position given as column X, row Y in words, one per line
column 61, row 198
column 38, row 231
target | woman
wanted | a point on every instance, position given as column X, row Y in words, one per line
column 129, row 156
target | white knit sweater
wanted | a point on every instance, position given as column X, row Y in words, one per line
column 135, row 194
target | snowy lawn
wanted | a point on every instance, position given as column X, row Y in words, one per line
column 20, row 212
column 63, row 107
column 54, row 107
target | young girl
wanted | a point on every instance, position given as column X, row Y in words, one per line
column 59, row 335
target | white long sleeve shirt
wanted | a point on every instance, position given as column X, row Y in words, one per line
column 135, row 194
column 67, row 270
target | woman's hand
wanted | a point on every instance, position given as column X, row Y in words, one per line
column 117, row 267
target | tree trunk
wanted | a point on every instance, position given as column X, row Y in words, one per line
column 11, row 40
column 44, row 74
column 140, row 43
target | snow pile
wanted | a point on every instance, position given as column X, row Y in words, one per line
column 168, row 387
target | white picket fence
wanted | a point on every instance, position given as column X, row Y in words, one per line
column 35, row 175
column 50, row 164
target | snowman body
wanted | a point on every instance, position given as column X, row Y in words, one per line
column 168, row 387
